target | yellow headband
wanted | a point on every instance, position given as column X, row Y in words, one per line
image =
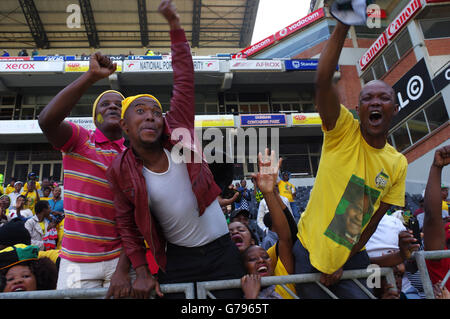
column 94, row 106
column 126, row 103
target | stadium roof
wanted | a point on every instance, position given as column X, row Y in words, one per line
column 52, row 24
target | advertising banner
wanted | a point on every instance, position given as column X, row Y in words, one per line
column 413, row 90
column 31, row 66
column 306, row 119
column 263, row 120
column 83, row 66
column 214, row 121
column 373, row 51
column 166, row 66
column 442, row 79
column 256, row 65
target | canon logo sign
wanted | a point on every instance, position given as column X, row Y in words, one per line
column 404, row 16
column 374, row 49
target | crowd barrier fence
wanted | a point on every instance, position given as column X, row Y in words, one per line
column 203, row 290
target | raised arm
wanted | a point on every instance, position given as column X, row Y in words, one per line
column 182, row 104
column 51, row 119
column 266, row 180
column 327, row 100
column 433, row 225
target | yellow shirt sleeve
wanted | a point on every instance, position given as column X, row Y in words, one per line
column 396, row 195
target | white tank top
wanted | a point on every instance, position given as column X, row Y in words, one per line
column 174, row 205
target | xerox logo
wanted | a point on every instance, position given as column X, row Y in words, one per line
column 20, row 66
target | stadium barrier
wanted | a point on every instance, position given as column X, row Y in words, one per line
column 420, row 257
column 203, row 288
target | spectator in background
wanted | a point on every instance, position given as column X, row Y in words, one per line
column 44, row 184
column 258, row 194
column 243, row 216
column 264, row 209
column 10, row 188
column 32, row 177
column 23, row 52
column 34, row 52
column 390, row 246
column 270, row 237
column 241, row 235
column 15, row 193
column 5, row 53
column 32, row 195
column 436, row 234
column 57, row 205
column 39, row 225
column 246, row 197
column 4, row 210
column 287, row 190
column 419, row 210
column 20, row 210
column 46, row 192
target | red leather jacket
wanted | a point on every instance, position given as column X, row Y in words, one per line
column 133, row 217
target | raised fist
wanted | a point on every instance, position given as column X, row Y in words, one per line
column 100, row 66
column 169, row 11
column 442, row 156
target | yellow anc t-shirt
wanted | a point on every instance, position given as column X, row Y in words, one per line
column 280, row 270
column 352, row 179
column 286, row 189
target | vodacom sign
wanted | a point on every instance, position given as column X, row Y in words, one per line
column 400, row 21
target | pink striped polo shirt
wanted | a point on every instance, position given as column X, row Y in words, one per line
column 90, row 233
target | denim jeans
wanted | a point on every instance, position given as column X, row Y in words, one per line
column 345, row 289
column 295, row 211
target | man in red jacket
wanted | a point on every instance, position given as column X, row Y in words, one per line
column 190, row 222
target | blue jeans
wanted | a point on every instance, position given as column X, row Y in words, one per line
column 345, row 289
column 295, row 211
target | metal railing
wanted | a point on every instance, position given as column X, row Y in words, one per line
column 92, row 293
column 420, row 257
column 203, row 288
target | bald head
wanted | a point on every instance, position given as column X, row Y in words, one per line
column 380, row 85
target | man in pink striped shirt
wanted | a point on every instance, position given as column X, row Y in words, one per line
column 91, row 246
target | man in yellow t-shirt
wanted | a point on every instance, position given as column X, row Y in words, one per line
column 32, row 195
column 287, row 190
column 359, row 177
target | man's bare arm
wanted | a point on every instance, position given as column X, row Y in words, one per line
column 51, row 119
column 327, row 100
column 433, row 225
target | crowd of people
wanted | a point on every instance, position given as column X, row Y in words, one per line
column 118, row 229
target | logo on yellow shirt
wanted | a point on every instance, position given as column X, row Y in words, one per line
column 381, row 180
